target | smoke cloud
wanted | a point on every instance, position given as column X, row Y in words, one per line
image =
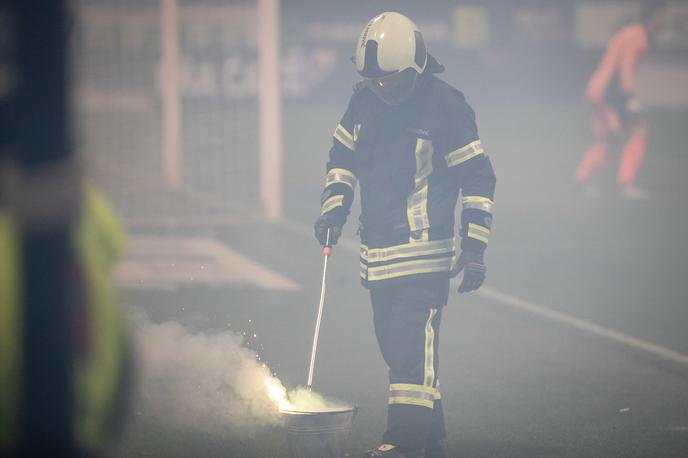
column 208, row 381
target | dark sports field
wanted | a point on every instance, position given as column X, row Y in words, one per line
column 575, row 347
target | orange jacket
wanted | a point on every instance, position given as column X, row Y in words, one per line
column 618, row 68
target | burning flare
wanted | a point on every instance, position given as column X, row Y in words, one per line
column 278, row 393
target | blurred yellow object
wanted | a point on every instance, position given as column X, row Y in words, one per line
column 102, row 364
column 10, row 330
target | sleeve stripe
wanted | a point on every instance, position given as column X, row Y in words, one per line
column 464, row 153
column 344, row 137
column 477, row 202
column 336, row 175
column 332, row 203
column 478, row 232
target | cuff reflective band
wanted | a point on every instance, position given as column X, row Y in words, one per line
column 332, row 203
column 344, row 137
column 340, row 176
column 418, row 395
column 478, row 232
column 464, row 153
column 477, row 202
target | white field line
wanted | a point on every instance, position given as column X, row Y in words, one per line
column 533, row 308
column 584, row 325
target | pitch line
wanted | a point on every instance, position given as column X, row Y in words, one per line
column 583, row 325
column 532, row 308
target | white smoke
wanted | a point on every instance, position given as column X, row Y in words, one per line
column 207, row 381
column 305, row 400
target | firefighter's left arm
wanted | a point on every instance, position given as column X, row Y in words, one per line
column 465, row 158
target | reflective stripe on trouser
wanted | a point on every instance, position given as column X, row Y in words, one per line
column 407, row 321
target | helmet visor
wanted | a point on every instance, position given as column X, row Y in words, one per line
column 394, row 89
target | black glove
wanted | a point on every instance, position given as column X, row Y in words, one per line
column 327, row 221
column 473, row 266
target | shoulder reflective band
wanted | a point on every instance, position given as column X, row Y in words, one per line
column 344, row 137
column 332, row 203
column 477, row 202
column 408, row 250
column 340, row 176
column 478, row 232
column 406, row 393
column 417, row 205
column 400, row 269
column 464, row 153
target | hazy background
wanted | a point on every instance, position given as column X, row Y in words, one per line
column 576, row 347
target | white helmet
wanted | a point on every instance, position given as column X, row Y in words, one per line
column 390, row 54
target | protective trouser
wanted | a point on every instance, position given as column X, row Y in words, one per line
column 407, row 324
column 616, row 132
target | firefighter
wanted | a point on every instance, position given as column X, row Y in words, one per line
column 410, row 140
column 616, row 112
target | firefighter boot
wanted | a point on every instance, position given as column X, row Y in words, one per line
column 390, row 451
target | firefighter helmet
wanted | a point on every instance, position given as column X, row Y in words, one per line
column 390, row 54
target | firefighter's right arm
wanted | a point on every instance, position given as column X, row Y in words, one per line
column 340, row 180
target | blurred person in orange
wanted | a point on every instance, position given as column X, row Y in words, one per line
column 617, row 117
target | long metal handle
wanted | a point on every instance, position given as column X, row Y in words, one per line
column 327, row 249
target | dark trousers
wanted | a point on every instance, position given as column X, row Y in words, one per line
column 407, row 325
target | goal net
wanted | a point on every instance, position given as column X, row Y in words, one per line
column 168, row 112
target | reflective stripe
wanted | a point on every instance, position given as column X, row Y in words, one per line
column 464, row 153
column 477, row 202
column 417, row 204
column 332, row 203
column 411, row 401
column 411, row 387
column 412, row 394
column 407, row 250
column 363, row 270
column 11, row 333
column 340, row 176
column 344, row 137
column 400, row 269
column 430, row 350
column 478, row 232
column 405, row 393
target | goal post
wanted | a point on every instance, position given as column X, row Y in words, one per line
column 171, row 97
column 179, row 108
column 270, row 111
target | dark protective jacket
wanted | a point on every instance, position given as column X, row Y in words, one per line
column 412, row 162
